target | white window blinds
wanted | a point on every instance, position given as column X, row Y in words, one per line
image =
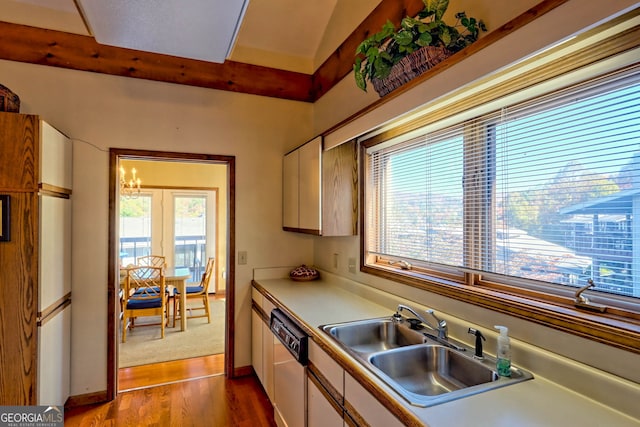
column 547, row 190
column 416, row 206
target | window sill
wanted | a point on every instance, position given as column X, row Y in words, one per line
column 614, row 327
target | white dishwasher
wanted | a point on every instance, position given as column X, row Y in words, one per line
column 290, row 356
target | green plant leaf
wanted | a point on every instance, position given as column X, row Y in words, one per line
column 436, row 7
column 383, row 68
column 360, row 80
column 372, row 52
column 403, row 38
column 446, row 37
column 425, row 39
column 384, row 55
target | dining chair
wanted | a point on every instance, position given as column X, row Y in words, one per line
column 200, row 291
column 152, row 260
column 145, row 294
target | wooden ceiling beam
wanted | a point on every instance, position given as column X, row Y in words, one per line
column 77, row 52
column 59, row 49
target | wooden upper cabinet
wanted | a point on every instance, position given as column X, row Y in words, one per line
column 320, row 189
column 32, row 154
column 19, row 152
column 340, row 190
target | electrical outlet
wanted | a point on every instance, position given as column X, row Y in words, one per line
column 352, row 265
column 242, row 257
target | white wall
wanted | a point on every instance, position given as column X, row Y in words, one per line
column 99, row 112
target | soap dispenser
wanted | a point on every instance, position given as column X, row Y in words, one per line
column 503, row 352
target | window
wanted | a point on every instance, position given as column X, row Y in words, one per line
column 135, row 228
column 540, row 195
column 416, row 205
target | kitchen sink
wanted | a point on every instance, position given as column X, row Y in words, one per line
column 431, row 370
column 422, row 368
column 373, row 335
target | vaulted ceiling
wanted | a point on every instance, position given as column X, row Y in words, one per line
column 288, row 49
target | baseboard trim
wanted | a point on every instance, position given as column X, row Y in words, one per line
column 243, row 371
column 86, row 399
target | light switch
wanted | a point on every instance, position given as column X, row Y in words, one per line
column 242, row 257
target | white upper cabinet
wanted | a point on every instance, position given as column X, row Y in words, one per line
column 55, row 157
column 302, row 188
column 320, row 189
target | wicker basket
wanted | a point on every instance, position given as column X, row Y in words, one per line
column 410, row 67
column 9, row 101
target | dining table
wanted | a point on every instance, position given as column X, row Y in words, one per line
column 177, row 277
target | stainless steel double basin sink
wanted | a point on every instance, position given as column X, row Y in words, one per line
column 422, row 368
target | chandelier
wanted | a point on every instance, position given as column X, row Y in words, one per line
column 131, row 188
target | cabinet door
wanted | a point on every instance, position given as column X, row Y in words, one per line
column 340, row 190
column 290, row 186
column 268, row 340
column 256, row 345
column 55, row 251
column 310, row 184
column 320, row 412
column 54, row 356
column 328, row 367
column 366, row 406
column 18, row 139
column 55, row 157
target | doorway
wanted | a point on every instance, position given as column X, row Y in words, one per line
column 180, row 224
column 183, row 252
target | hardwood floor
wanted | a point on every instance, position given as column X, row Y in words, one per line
column 210, row 401
column 169, row 372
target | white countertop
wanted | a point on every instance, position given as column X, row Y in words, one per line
column 536, row 402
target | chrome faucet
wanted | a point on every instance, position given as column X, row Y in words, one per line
column 441, row 324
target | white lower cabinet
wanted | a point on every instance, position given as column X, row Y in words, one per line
column 334, row 398
column 54, row 365
column 256, row 344
column 262, row 343
column 324, row 402
column 320, row 412
column 367, row 406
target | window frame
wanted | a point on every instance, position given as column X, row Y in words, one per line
column 618, row 326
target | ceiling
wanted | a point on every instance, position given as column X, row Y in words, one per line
column 293, row 36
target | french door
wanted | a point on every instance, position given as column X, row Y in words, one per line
column 178, row 224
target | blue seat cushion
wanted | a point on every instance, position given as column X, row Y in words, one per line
column 137, row 304
column 191, row 290
column 154, row 289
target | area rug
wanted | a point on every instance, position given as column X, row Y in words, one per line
column 144, row 344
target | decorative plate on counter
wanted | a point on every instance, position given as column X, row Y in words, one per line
column 304, row 273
